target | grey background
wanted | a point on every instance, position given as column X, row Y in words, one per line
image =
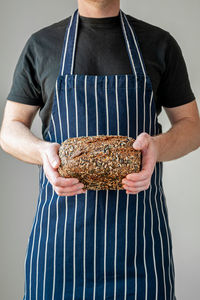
column 19, row 181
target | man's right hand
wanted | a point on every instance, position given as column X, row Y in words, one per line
column 51, row 162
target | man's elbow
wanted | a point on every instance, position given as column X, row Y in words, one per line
column 196, row 129
column 3, row 143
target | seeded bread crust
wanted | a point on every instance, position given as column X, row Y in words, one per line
column 99, row 162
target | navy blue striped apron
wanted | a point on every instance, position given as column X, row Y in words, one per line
column 102, row 244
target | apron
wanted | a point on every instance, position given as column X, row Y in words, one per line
column 102, row 244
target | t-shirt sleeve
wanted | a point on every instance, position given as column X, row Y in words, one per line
column 25, row 86
column 174, row 88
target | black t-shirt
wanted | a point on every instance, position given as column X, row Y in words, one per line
column 100, row 50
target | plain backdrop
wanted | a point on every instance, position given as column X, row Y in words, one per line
column 19, row 181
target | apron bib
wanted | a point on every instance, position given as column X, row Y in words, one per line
column 102, row 244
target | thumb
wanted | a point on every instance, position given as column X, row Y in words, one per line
column 141, row 142
column 52, row 155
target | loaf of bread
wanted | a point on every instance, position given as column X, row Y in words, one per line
column 99, row 162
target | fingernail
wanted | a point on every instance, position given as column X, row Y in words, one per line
column 80, row 186
column 75, row 181
column 137, row 145
column 54, row 163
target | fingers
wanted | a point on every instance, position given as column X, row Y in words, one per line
column 137, row 182
column 71, row 190
column 54, row 177
column 141, row 176
column 141, row 142
column 131, row 184
column 62, row 186
column 135, row 187
column 52, row 154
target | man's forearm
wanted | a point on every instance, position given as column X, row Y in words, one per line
column 20, row 142
column 182, row 138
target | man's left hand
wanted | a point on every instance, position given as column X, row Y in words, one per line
column 137, row 182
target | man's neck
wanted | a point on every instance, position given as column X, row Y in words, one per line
column 98, row 8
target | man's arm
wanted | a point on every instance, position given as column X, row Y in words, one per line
column 184, row 135
column 182, row 138
column 17, row 139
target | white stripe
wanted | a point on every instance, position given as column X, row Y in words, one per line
column 50, row 136
column 115, row 255
column 150, row 113
column 54, row 128
column 161, row 241
column 84, row 246
column 46, row 244
column 55, row 239
column 151, row 212
column 127, row 202
column 86, row 194
column 27, row 248
column 153, row 244
column 172, row 264
column 144, row 104
column 58, row 105
column 117, row 104
column 117, row 202
column 107, row 192
column 39, row 241
column 105, row 237
column 33, row 244
column 66, row 44
column 144, row 201
column 127, row 41
column 95, row 229
column 75, row 213
column 127, row 107
column 86, row 108
column 136, row 45
column 74, row 249
column 75, row 95
column 97, row 133
column 66, row 102
column 126, row 242
column 144, row 250
column 135, row 265
column 166, row 228
column 75, row 38
column 64, row 248
column 97, row 120
column 136, row 108
column 106, row 98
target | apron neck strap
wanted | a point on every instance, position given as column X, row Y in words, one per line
column 68, row 52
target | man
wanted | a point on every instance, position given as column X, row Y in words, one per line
column 124, row 244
